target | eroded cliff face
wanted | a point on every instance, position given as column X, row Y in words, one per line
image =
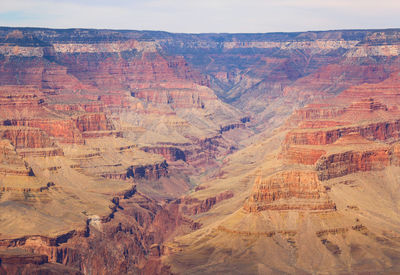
column 311, row 204
column 288, row 71
column 352, row 134
column 278, row 191
column 105, row 134
column 84, row 117
column 127, row 241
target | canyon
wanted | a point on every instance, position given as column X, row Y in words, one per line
column 147, row 152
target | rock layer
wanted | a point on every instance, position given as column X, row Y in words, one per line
column 85, row 113
column 291, row 190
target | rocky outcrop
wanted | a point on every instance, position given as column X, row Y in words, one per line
column 194, row 206
column 302, row 155
column 367, row 105
column 15, row 98
column 351, row 133
column 170, row 153
column 26, row 137
column 64, row 130
column 200, row 152
column 11, row 163
column 356, row 139
column 316, row 112
column 340, row 164
column 187, row 97
column 148, row 172
column 49, row 241
column 289, row 190
column 375, row 131
column 93, row 122
column 136, row 228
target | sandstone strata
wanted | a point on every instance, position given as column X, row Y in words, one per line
column 86, row 113
column 291, row 190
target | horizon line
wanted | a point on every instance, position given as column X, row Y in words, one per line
column 198, row 33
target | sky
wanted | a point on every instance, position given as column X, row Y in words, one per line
column 199, row 16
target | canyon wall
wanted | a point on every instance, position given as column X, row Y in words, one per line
column 88, row 114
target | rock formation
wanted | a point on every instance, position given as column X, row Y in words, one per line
column 276, row 192
column 156, row 153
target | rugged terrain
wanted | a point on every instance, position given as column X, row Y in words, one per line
column 158, row 153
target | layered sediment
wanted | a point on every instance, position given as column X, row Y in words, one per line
column 85, row 114
column 289, row 190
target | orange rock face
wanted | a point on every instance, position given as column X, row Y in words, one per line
column 194, row 206
column 25, row 137
column 64, row 130
column 346, row 141
column 289, row 190
column 307, row 156
column 340, row 164
column 353, row 132
column 93, row 122
column 379, row 131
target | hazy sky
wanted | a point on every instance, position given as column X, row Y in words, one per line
column 203, row 15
